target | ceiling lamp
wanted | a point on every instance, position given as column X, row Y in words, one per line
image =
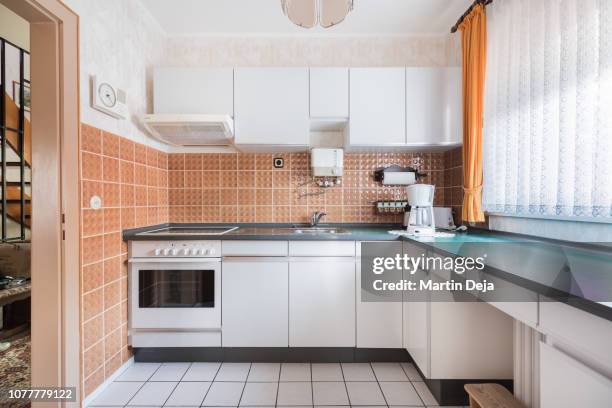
column 307, row 13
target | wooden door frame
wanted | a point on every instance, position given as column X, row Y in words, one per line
column 54, row 73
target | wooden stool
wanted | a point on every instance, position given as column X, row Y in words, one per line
column 491, row 396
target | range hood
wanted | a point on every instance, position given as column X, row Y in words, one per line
column 190, row 129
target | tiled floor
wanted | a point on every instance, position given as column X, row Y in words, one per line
column 267, row 385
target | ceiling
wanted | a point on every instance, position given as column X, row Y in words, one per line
column 265, row 17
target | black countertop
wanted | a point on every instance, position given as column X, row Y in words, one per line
column 577, row 274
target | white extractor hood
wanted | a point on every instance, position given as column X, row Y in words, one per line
column 190, row 129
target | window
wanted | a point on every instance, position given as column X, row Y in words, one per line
column 547, row 145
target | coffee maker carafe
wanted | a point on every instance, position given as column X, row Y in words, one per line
column 421, row 217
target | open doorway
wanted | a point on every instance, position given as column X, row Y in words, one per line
column 15, row 199
column 39, row 198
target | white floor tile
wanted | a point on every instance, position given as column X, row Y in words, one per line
column 201, row 372
column 411, row 372
column 170, row 372
column 153, row 394
column 327, row 372
column 264, row 372
column 329, row 393
column 389, row 372
column 188, row 394
column 295, row 393
column 358, row 372
column 139, row 372
column 117, row 394
column 295, row 372
column 224, row 394
column 425, row 394
column 233, row 372
column 259, row 394
column 400, row 393
column 365, row 393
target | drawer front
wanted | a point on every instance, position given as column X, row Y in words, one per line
column 583, row 330
column 567, row 383
column 322, row 248
column 254, row 248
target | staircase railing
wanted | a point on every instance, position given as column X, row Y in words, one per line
column 20, row 148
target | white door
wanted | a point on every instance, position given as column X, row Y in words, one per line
column 255, row 302
column 425, row 88
column 329, row 92
column 322, row 302
column 194, row 91
column 377, row 107
column 271, row 106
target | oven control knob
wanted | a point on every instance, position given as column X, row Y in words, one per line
column 175, row 252
column 211, row 251
column 186, row 251
column 166, row 251
column 201, row 251
column 158, row 252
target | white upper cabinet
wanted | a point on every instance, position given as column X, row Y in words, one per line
column 424, row 103
column 271, row 106
column 453, row 106
column 433, row 106
column 329, row 92
column 377, row 107
column 194, row 91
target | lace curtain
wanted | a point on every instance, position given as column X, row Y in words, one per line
column 547, row 141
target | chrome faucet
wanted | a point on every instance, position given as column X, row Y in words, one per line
column 316, row 217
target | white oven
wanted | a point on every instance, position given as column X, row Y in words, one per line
column 175, row 293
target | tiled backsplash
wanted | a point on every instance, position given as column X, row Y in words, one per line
column 453, row 182
column 132, row 181
column 245, row 187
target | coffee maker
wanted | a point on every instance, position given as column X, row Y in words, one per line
column 419, row 217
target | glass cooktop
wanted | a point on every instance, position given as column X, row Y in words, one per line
column 190, row 231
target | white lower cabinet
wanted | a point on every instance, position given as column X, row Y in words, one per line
column 379, row 316
column 322, row 302
column 567, row 383
column 255, row 302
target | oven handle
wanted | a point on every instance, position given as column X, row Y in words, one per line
column 174, row 260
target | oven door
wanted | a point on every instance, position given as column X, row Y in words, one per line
column 175, row 293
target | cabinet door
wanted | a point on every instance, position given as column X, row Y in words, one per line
column 417, row 318
column 194, row 91
column 379, row 314
column 377, row 107
column 453, row 106
column 567, row 383
column 271, row 106
column 329, row 92
column 255, row 303
column 424, row 105
column 322, row 302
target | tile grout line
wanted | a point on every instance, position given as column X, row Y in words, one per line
column 245, row 383
column 378, row 383
column 143, row 384
column 211, row 384
column 177, row 384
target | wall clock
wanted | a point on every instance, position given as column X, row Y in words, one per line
column 108, row 99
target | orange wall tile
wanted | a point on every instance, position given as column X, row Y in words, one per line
column 245, row 187
column 132, row 181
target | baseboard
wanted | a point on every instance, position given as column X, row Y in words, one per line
column 269, row 354
column 89, row 399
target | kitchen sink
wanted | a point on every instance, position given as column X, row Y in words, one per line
column 320, row 230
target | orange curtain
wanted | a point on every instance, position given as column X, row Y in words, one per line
column 474, row 51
